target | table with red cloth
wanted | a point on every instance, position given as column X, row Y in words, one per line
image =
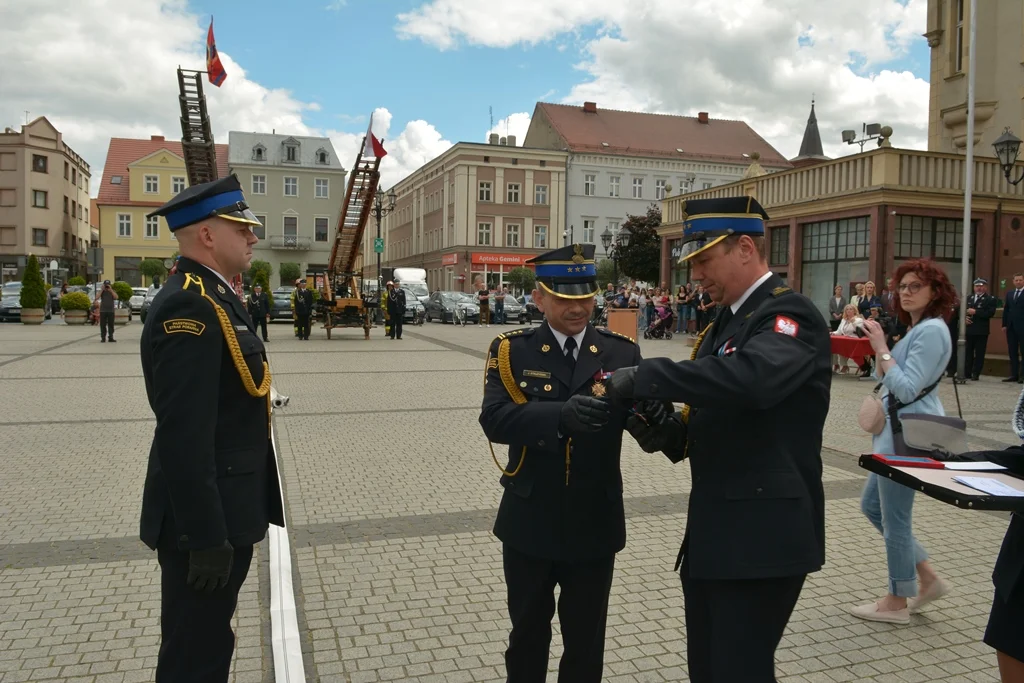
column 857, row 349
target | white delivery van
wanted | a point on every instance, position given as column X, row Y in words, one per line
column 413, row 280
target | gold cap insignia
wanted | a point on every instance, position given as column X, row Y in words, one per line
column 522, row 384
column 220, row 288
column 577, row 253
column 545, row 348
column 593, row 348
column 547, row 387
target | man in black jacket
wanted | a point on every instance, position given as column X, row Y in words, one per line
column 1013, row 326
column 212, row 486
column 303, row 309
column 561, row 517
column 259, row 308
column 981, row 306
column 396, row 309
column 756, row 395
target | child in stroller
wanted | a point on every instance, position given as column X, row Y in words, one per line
column 661, row 325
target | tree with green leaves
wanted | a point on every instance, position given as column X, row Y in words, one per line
column 641, row 260
column 33, row 289
column 521, row 278
column 152, row 268
column 290, row 272
column 258, row 266
column 606, row 273
column 77, row 280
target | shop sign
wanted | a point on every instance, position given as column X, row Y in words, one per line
column 676, row 249
column 450, row 259
column 480, row 259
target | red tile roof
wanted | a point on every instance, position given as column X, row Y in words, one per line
column 641, row 134
column 124, row 151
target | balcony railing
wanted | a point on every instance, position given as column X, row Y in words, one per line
column 888, row 168
column 289, row 242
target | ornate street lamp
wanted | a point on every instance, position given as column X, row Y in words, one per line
column 379, row 210
column 1007, row 147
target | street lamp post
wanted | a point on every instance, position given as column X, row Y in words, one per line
column 1007, row 148
column 379, row 210
column 567, row 235
column 621, row 240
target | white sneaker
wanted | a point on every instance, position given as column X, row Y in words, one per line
column 872, row 613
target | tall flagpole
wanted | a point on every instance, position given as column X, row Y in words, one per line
column 965, row 273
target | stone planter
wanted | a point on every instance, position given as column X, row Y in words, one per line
column 121, row 316
column 32, row 316
column 74, row 317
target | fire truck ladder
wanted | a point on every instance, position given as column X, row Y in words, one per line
column 196, row 135
column 355, row 211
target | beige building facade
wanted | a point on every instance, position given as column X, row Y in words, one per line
column 295, row 185
column 478, row 210
column 999, row 79
column 44, row 202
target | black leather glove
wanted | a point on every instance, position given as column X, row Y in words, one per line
column 655, row 412
column 583, row 413
column 620, row 386
column 653, row 438
column 209, row 569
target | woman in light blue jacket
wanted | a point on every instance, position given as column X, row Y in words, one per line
column 915, row 364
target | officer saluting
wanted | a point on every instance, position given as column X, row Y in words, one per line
column 561, row 519
column 757, row 393
column 981, row 306
column 212, row 485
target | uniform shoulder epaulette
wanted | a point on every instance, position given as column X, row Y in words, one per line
column 607, row 332
column 521, row 332
column 779, row 291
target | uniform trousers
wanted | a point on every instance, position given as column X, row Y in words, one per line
column 196, row 640
column 106, row 324
column 582, row 613
column 974, row 350
column 734, row 626
column 261, row 324
column 303, row 324
column 396, row 326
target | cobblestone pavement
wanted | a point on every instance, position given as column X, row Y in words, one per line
column 391, row 495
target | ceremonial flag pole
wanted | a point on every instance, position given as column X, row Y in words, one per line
column 965, row 264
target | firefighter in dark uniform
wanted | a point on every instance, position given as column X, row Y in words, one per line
column 981, row 306
column 755, row 398
column 561, row 517
column 212, row 485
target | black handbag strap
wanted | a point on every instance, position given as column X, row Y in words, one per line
column 895, row 404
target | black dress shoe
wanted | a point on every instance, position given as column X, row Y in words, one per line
column 1010, row 379
column 974, row 378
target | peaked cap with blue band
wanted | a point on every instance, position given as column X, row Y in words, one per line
column 569, row 272
column 706, row 222
column 221, row 198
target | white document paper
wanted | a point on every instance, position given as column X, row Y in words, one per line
column 981, row 466
column 993, row 487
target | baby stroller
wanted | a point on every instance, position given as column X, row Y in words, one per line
column 661, row 325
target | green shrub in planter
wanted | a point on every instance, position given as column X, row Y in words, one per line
column 124, row 292
column 33, row 289
column 76, row 281
column 75, row 301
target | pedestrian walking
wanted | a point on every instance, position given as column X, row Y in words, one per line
column 106, row 299
column 259, row 308
column 212, row 487
column 756, row 396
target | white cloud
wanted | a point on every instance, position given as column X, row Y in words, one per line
column 755, row 60
column 514, row 124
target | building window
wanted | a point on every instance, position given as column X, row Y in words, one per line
column 483, row 234
column 614, row 183
column 67, row 166
column 834, row 253
column 588, row 231
column 638, row 188
column 74, row 209
column 128, row 269
column 941, row 239
column 321, row 186
column 39, row 237
column 115, row 180
column 590, row 185
column 320, row 229
column 778, row 254
column 259, row 184
column 659, row 189
column 707, row 185
column 177, row 184
column 513, row 193
column 40, row 163
column 540, row 194
column 260, row 230
column 512, row 235
column 485, row 191
column 74, row 176
column 291, row 153
column 87, row 214
column 321, row 157
column 959, row 36
column 40, row 199
column 540, row 237
column 290, row 226
column 258, row 153
column 124, row 225
column 66, row 204
column 152, row 184
column 291, row 187
column 152, row 227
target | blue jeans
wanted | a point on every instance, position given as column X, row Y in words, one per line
column 889, row 507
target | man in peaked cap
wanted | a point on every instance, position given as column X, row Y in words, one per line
column 561, row 517
column 756, row 394
column 212, row 486
column 981, row 306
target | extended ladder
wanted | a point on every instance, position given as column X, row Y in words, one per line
column 196, row 135
column 355, row 211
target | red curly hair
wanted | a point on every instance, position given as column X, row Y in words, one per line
column 945, row 296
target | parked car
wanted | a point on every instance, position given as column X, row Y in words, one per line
column 414, row 308
column 147, row 301
column 135, row 303
column 10, row 303
column 530, row 311
column 449, row 306
column 282, row 307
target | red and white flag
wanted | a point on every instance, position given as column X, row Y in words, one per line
column 214, row 69
column 372, row 146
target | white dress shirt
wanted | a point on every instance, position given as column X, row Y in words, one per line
column 561, row 340
column 746, row 295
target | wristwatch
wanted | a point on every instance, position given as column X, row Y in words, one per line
column 885, row 356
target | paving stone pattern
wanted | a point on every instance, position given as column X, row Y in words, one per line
column 391, row 495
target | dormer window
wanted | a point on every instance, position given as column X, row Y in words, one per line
column 291, row 151
column 259, row 153
column 321, row 156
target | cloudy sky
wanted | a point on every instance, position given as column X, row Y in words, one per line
column 437, row 71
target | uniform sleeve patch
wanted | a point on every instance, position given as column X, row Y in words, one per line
column 184, row 325
column 787, row 326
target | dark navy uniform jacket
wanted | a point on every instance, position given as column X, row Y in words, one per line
column 565, row 501
column 212, row 473
column 758, row 394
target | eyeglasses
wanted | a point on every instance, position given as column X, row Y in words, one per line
column 912, row 287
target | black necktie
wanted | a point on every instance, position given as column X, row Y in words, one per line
column 721, row 323
column 570, row 346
